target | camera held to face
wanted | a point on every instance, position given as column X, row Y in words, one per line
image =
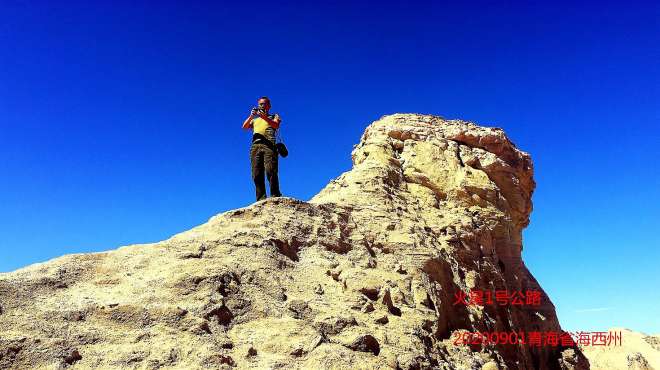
column 257, row 110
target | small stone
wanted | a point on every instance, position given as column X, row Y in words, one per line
column 366, row 343
column 202, row 328
column 226, row 360
column 370, row 292
column 315, row 342
column 333, row 274
column 299, row 309
column 368, row 307
column 73, row 357
column 387, row 301
column 319, row 290
column 74, row 316
column 334, row 325
column 220, row 313
column 251, row 352
column 382, row 320
column 358, row 302
column 491, row 365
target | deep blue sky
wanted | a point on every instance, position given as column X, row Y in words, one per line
column 120, row 123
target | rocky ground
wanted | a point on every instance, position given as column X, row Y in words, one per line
column 362, row 276
column 636, row 351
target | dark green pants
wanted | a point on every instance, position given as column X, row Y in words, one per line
column 264, row 159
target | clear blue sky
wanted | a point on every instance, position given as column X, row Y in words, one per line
column 120, row 122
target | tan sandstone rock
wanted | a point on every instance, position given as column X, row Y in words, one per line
column 362, row 276
column 635, row 351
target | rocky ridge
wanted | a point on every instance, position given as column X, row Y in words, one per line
column 364, row 275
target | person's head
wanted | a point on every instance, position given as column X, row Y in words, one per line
column 264, row 103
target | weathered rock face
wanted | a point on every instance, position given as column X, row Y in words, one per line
column 364, row 275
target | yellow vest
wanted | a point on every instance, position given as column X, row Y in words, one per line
column 260, row 126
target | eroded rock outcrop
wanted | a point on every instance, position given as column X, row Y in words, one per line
column 633, row 351
column 363, row 275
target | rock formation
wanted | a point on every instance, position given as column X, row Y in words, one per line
column 364, row 275
column 636, row 351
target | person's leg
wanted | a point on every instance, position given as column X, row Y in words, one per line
column 257, row 163
column 271, row 173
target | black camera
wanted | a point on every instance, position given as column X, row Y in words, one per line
column 257, row 110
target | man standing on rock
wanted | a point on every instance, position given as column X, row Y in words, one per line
column 263, row 154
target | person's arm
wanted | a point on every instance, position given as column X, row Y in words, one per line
column 247, row 124
column 274, row 123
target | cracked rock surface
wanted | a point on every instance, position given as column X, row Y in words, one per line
column 364, row 275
